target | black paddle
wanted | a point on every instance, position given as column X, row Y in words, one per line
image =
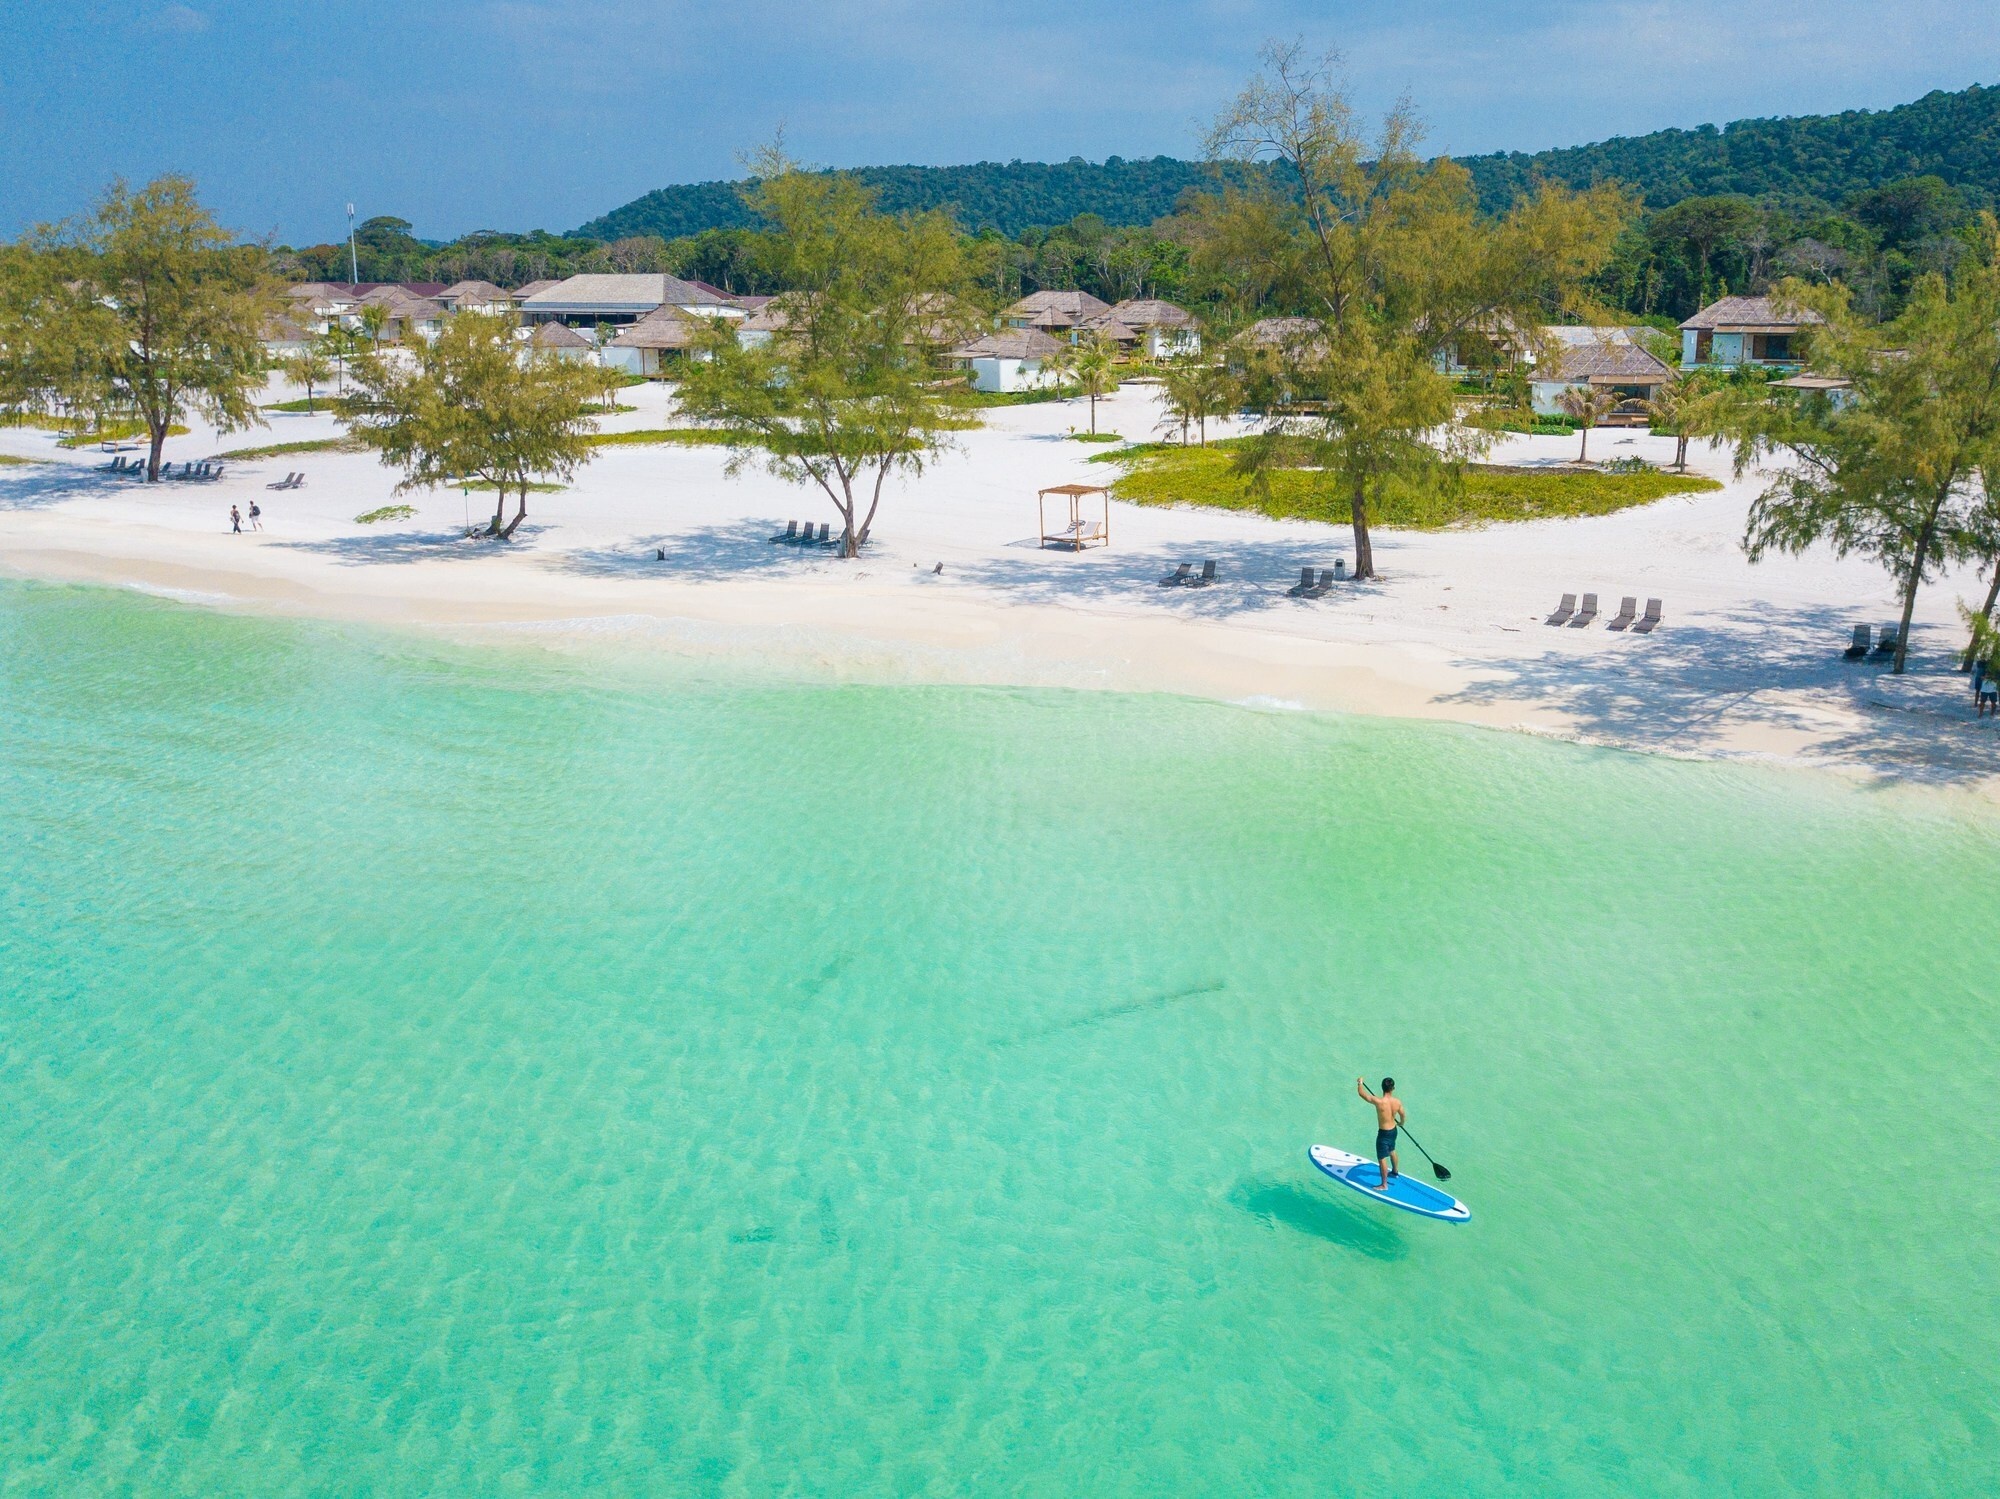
column 1442, row 1174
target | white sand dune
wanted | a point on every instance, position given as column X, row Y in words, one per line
column 1748, row 664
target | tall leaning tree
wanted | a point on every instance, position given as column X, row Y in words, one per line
column 147, row 309
column 1894, row 468
column 472, row 404
column 846, row 393
column 1388, row 257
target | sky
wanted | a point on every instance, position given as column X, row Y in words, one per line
column 520, row 114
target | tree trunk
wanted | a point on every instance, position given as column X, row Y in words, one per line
column 1681, row 453
column 157, row 432
column 519, row 515
column 499, row 508
column 1364, row 554
column 1583, row 448
column 1986, row 613
column 1924, row 538
column 1093, row 412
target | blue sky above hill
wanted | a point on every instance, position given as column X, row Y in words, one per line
column 515, row 114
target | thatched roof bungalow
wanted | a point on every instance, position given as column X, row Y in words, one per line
column 1744, row 330
column 1010, row 359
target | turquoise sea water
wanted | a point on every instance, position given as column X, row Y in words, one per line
column 443, row 1070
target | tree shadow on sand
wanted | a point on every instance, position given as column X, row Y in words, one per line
column 1253, row 576
column 414, row 546
column 51, row 482
column 1687, row 686
column 706, row 554
column 1306, row 1210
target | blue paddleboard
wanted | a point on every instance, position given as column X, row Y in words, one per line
column 1404, row 1192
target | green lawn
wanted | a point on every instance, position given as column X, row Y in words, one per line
column 689, row 437
column 1159, row 474
column 280, row 449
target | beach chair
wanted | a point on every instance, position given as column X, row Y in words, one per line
column 1583, row 617
column 116, row 466
column 1303, row 589
column 1886, row 646
column 284, row 483
column 1328, row 577
column 1628, row 610
column 1563, row 611
column 790, row 533
column 1207, row 575
column 1864, row 641
column 1178, row 576
column 1650, row 620
column 824, row 527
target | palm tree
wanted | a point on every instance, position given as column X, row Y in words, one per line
column 1677, row 409
column 1586, row 403
column 1095, row 366
column 1180, row 394
column 374, row 318
column 308, row 367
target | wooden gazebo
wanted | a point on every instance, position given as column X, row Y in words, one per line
column 1079, row 533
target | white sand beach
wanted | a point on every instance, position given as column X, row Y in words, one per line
column 1747, row 665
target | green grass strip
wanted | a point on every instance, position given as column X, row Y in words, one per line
column 1172, row 475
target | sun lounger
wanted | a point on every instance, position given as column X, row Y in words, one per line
column 1650, row 620
column 1303, row 589
column 1178, row 576
column 1886, row 646
column 1328, row 576
column 1628, row 609
column 1583, row 617
column 284, row 483
column 790, row 533
column 1207, row 575
column 1864, row 641
column 1563, row 611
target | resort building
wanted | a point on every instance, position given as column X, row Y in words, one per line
column 476, row 296
column 656, row 342
column 1059, row 313
column 763, row 324
column 521, row 294
column 1282, row 333
column 1010, row 359
column 1164, row 331
column 408, row 316
column 560, row 341
column 284, row 335
column 1603, row 359
column 585, row 301
column 1740, row 331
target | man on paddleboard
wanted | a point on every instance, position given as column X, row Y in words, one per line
column 1388, row 1119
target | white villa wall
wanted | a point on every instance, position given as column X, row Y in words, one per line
column 1003, row 375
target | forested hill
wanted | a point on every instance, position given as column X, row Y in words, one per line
column 1827, row 157
column 1007, row 196
column 1953, row 136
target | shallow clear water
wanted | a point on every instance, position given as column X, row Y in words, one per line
column 437, row 1070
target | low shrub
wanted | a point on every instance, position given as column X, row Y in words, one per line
column 387, row 512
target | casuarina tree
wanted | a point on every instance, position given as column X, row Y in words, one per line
column 472, row 404
column 844, row 394
column 1892, row 467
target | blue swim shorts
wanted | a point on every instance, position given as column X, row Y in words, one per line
column 1385, row 1144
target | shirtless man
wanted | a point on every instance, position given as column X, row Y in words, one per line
column 1388, row 1119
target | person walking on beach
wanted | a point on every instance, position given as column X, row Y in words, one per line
column 1388, row 1119
column 256, row 517
column 235, row 520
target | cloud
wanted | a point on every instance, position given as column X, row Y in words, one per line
column 179, row 20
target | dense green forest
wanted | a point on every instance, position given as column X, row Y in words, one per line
column 1006, row 196
column 1868, row 198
